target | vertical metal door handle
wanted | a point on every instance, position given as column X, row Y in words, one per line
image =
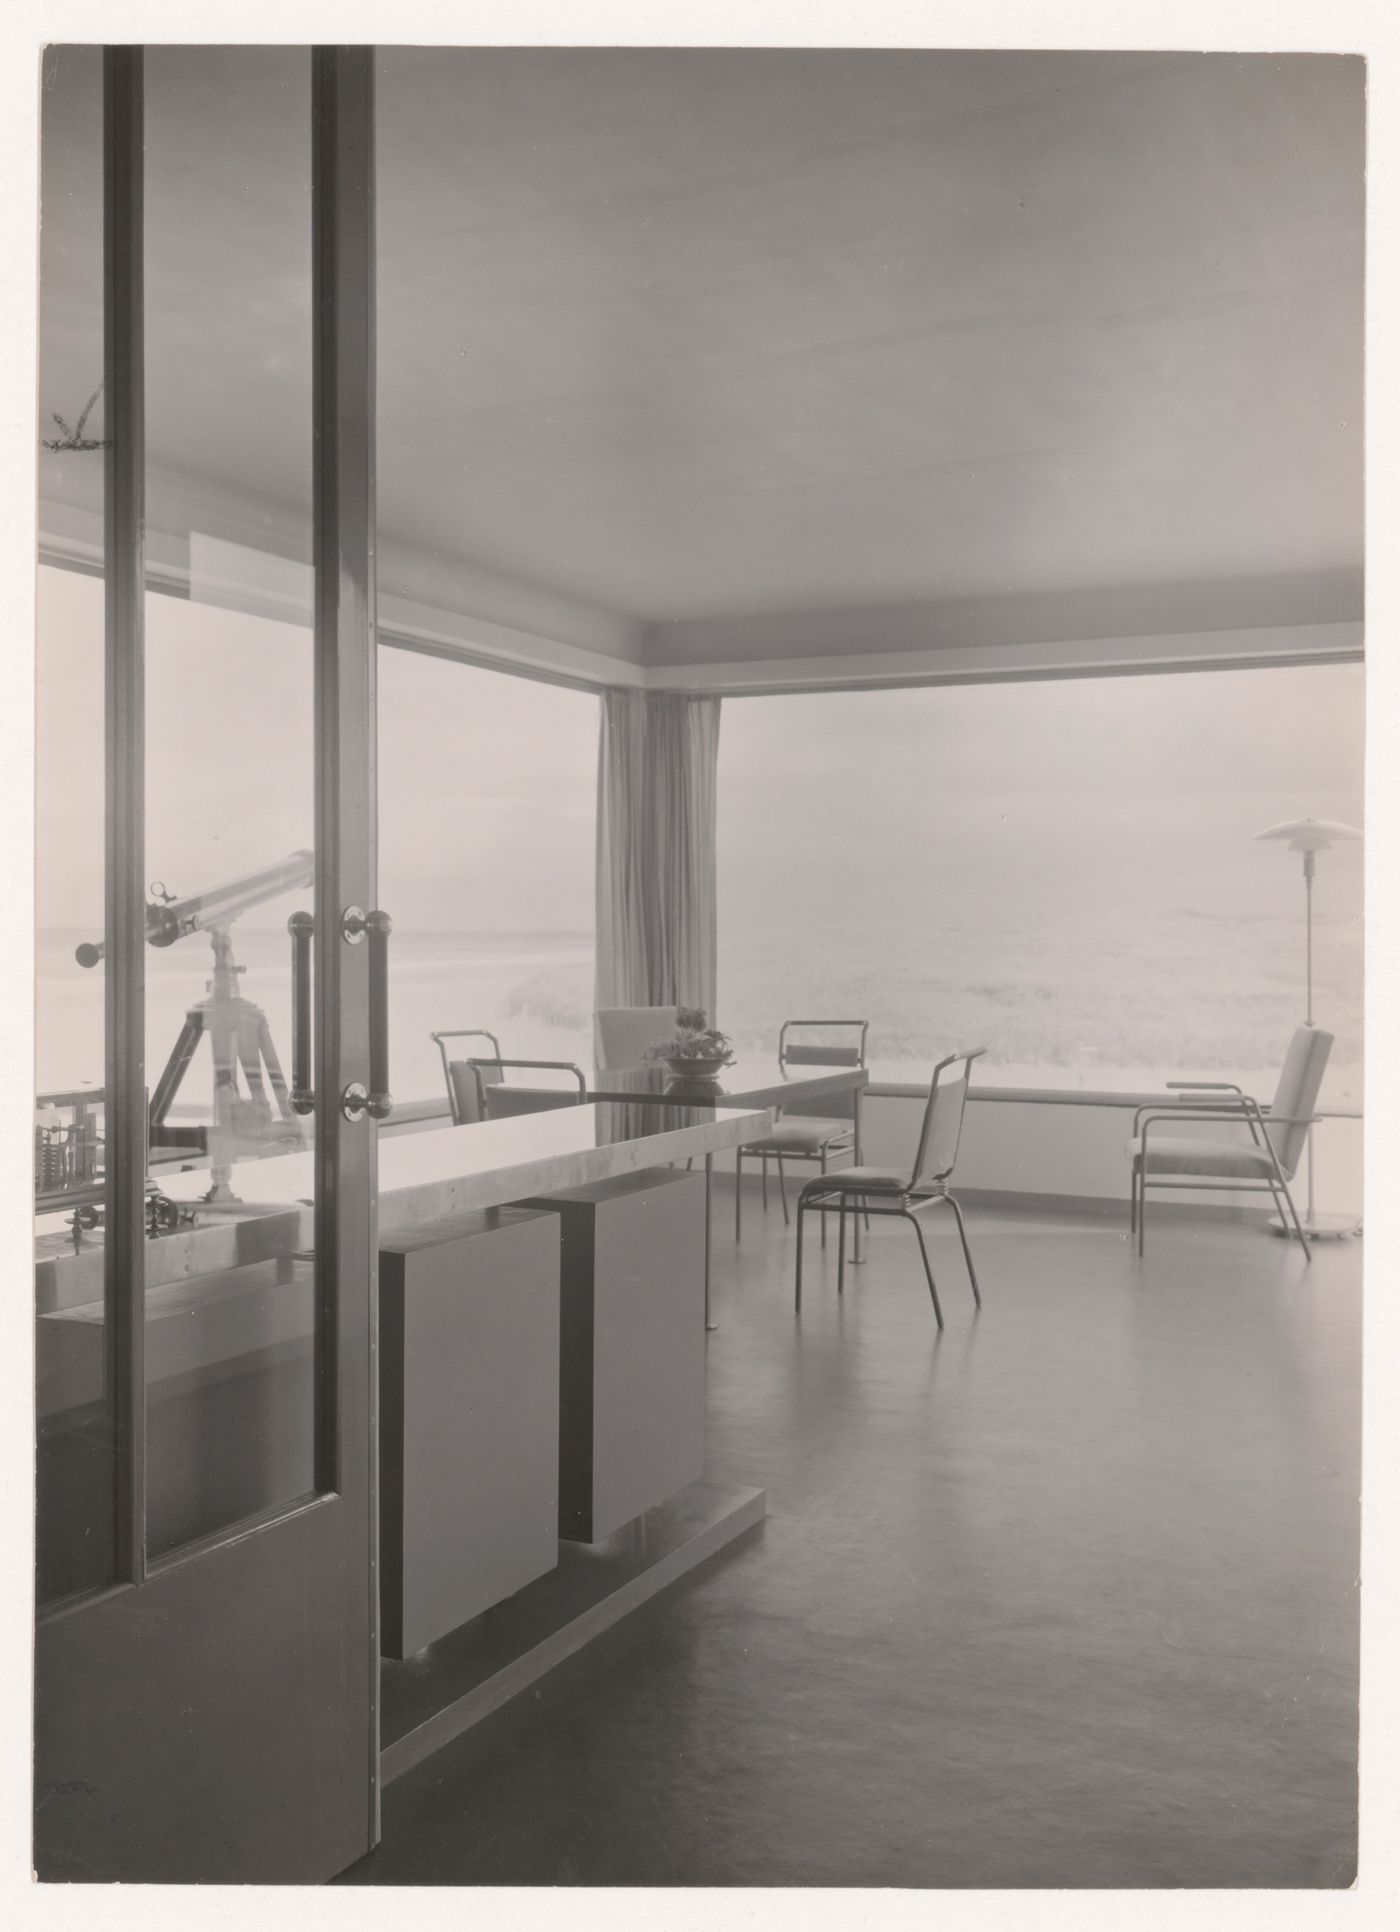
column 301, row 926
column 381, row 1102
column 355, row 926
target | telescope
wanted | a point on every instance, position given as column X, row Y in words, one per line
column 170, row 919
column 246, row 1121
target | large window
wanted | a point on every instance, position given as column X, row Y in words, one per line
column 486, row 828
column 214, row 677
column 486, row 825
column 1064, row 872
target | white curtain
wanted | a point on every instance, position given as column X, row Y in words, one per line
column 656, row 911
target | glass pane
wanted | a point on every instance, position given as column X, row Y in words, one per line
column 486, row 863
column 997, row 902
column 230, row 1303
column 76, row 1493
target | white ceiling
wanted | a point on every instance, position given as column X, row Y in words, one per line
column 693, row 336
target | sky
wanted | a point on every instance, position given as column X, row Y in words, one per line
column 963, row 803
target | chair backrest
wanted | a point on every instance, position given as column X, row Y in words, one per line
column 1296, row 1095
column 463, row 1085
column 943, row 1118
column 838, row 1043
column 622, row 1034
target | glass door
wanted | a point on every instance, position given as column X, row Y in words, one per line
column 233, row 1340
column 206, row 1696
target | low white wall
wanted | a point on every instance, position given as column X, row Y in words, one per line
column 1076, row 1152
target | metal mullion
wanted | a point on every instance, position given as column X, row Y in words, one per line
column 344, row 624
column 124, row 986
column 343, row 494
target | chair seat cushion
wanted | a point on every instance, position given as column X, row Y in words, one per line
column 859, row 1180
column 798, row 1132
column 1172, row 1154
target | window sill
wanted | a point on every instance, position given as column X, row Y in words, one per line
column 1064, row 1097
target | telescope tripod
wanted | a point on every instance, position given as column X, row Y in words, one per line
column 239, row 1037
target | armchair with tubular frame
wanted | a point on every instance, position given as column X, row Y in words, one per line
column 819, row 1133
column 1265, row 1161
column 476, row 1088
column 887, row 1191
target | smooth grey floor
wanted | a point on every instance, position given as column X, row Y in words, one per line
column 1064, row 1597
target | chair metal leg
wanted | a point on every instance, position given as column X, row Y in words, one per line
column 782, row 1191
column 967, row 1252
column 797, row 1298
column 738, row 1188
column 1132, row 1197
column 709, row 1235
column 823, row 1155
column 1275, row 1186
column 928, row 1271
column 1279, row 1209
column 857, row 1159
column 841, row 1248
column 765, row 1183
column 1307, row 1246
column 1287, row 1195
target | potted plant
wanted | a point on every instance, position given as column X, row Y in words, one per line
column 695, row 1050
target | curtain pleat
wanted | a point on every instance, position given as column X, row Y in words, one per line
column 656, row 882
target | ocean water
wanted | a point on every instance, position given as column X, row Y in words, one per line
column 1080, row 999
column 1071, row 1001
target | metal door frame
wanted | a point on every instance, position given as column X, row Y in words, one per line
column 343, row 327
column 115, row 1668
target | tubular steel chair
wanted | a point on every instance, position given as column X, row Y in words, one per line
column 462, row 1084
column 882, row 1190
column 476, row 1088
column 622, row 1034
column 1268, row 1159
column 807, row 1134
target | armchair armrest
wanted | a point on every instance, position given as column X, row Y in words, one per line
column 1150, row 1115
column 1245, row 1109
column 555, row 1066
column 1238, row 1101
column 504, row 1096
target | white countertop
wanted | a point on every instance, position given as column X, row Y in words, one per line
column 422, row 1177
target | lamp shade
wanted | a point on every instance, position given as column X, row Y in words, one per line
column 1310, row 834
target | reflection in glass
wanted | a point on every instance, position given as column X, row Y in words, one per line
column 230, row 1272
column 75, row 1462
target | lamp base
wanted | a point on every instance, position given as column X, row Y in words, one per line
column 1319, row 1227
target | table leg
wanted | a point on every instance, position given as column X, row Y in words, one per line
column 709, row 1197
column 858, row 1245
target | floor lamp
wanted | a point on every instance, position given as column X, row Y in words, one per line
column 1311, row 836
